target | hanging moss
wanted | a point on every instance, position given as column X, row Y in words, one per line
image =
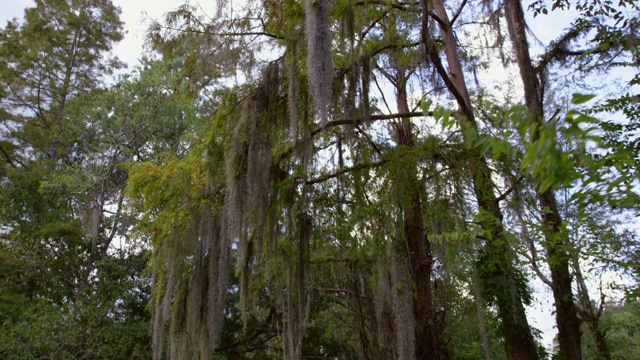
column 319, row 56
column 297, row 301
column 190, row 259
column 293, row 94
column 178, row 337
column 365, row 98
column 249, row 177
column 219, row 249
column 402, row 300
column 194, row 303
column 166, row 272
column 384, row 311
column 158, row 320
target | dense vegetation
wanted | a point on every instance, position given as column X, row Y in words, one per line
column 335, row 179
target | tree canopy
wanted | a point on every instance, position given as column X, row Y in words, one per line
column 333, row 179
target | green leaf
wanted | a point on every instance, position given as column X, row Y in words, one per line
column 578, row 99
column 426, row 106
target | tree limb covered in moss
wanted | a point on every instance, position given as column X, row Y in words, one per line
column 223, row 34
column 396, row 5
column 346, row 170
column 351, row 121
column 559, row 49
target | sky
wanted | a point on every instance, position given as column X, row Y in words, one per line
column 137, row 15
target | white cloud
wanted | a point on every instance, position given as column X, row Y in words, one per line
column 137, row 16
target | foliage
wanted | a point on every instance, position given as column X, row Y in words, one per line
column 620, row 324
column 66, row 146
column 293, row 202
column 112, row 325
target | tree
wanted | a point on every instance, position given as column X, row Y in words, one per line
column 58, row 53
column 67, row 143
column 556, row 244
column 349, row 193
column 316, row 172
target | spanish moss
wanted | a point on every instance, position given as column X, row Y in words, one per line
column 319, row 56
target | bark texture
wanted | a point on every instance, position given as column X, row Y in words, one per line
column 555, row 242
column 428, row 339
column 501, row 279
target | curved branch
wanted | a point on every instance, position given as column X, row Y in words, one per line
column 350, row 121
column 559, row 48
column 346, row 170
column 435, row 17
column 6, row 155
column 371, row 118
column 223, row 34
column 458, row 12
column 509, row 190
column 343, row 70
column 396, row 5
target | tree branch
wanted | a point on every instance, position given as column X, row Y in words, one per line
column 435, row 17
column 248, row 33
column 371, row 118
column 559, row 48
column 262, row 330
column 344, row 171
column 509, row 190
column 349, row 121
column 433, row 54
column 369, row 140
column 455, row 16
column 6, row 155
column 396, row 5
column 343, row 70
column 533, row 259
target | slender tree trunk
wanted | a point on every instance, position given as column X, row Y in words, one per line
column 555, row 242
column 590, row 313
column 428, row 344
column 428, row 339
column 360, row 318
column 482, row 324
column 519, row 341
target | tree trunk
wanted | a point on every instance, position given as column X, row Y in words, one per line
column 555, row 242
column 519, row 341
column 590, row 313
column 482, row 324
column 428, row 339
column 420, row 265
